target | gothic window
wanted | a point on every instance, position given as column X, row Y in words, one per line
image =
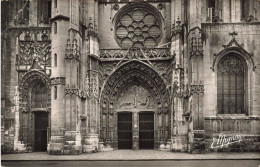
column 138, row 28
column 211, row 10
column 231, row 85
column 44, row 11
column 39, row 96
column 22, row 8
column 55, row 3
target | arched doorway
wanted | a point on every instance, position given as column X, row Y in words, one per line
column 34, row 107
column 135, row 97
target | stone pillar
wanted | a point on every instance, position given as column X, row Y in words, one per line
column 179, row 127
column 60, row 25
column 91, row 142
column 195, row 82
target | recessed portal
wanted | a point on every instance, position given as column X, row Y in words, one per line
column 124, row 126
column 41, row 124
column 146, row 130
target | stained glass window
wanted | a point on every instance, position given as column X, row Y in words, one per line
column 138, row 28
column 231, row 84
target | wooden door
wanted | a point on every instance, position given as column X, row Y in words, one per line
column 41, row 124
column 146, row 130
column 124, row 126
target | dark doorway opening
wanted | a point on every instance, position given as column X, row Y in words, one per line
column 146, row 130
column 124, row 127
column 41, row 124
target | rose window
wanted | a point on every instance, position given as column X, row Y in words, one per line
column 138, row 28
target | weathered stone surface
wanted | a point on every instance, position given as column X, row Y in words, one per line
column 89, row 60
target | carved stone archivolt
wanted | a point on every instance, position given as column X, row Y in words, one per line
column 58, row 81
column 134, row 73
column 133, row 86
column 28, row 81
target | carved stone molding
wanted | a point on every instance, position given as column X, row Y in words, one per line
column 135, row 54
column 58, row 81
column 196, row 89
column 72, row 91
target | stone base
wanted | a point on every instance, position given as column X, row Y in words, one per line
column 197, row 147
column 20, row 148
column 91, row 143
column 55, row 148
column 104, row 148
column 89, row 149
column 72, row 150
column 165, row 147
column 179, row 144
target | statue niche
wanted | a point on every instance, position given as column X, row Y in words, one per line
column 135, row 96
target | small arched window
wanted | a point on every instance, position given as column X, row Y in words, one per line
column 55, row 27
column 55, row 60
column 231, row 85
column 55, row 92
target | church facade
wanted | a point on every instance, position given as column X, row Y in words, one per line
column 99, row 75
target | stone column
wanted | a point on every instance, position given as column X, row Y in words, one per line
column 60, row 19
column 195, row 81
column 178, row 129
column 91, row 142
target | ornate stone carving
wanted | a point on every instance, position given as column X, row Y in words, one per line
column 133, row 86
column 92, row 28
column 126, row 75
column 196, row 46
column 250, row 18
column 135, row 96
column 34, row 45
column 139, row 27
column 177, row 27
column 58, row 81
column 90, row 89
column 196, row 89
column 72, row 50
column 72, row 91
column 135, row 53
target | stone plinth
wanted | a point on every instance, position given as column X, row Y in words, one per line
column 91, row 143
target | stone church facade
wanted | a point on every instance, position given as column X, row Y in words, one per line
column 86, row 75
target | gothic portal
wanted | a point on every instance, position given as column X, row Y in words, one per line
column 138, row 91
